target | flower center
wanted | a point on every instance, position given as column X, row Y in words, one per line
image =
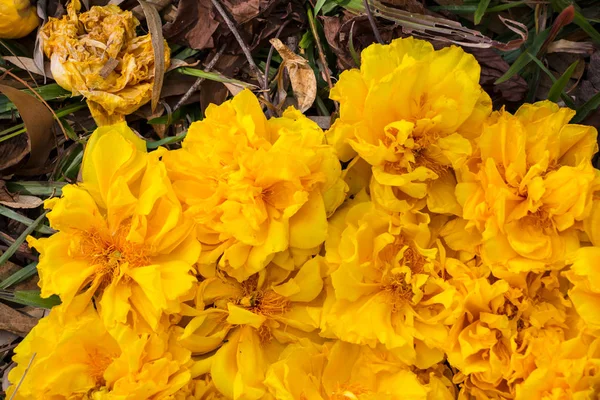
column 540, row 220
column 351, row 391
column 98, row 363
column 109, row 252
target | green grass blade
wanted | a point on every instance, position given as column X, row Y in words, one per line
column 164, row 141
column 525, row 58
column 47, row 92
column 568, row 101
column 44, row 189
column 319, row 5
column 584, row 24
column 8, row 213
column 19, row 276
column 589, row 106
column 212, row 76
column 30, row 298
column 559, row 86
column 481, row 8
column 15, row 246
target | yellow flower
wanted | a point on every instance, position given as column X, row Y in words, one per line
column 571, row 372
column 531, row 187
column 19, row 18
column 73, row 356
column 584, row 274
column 340, row 370
column 248, row 324
column 259, row 190
column 81, row 46
column 201, row 385
column 388, row 286
column 410, row 112
column 505, row 332
column 121, row 235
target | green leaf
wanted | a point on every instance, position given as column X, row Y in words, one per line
column 353, row 52
column 167, row 140
column 7, row 212
column 351, row 5
column 307, row 40
column 19, row 276
column 30, row 298
column 559, row 86
column 166, row 119
column 44, row 189
column 15, row 246
column 319, row 5
column 481, row 8
column 568, row 101
column 589, row 106
column 584, row 24
column 47, row 92
column 213, row 76
column 525, row 58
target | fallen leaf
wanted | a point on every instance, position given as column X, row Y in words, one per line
column 493, row 67
column 177, row 63
column 323, row 122
column 302, row 76
column 23, row 201
column 13, row 321
column 212, row 92
column 194, row 25
column 243, row 10
column 158, row 45
column 338, row 31
column 566, row 46
column 7, row 338
column 30, row 65
column 38, row 140
column 5, row 382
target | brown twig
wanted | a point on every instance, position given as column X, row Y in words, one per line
column 199, row 81
column 313, row 28
column 239, row 39
column 372, row 22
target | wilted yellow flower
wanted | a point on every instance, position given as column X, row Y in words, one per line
column 82, row 46
column 388, row 285
column 531, row 187
column 584, row 274
column 250, row 323
column 121, row 235
column 340, row 370
column 73, row 356
column 19, row 18
column 410, row 112
column 260, row 190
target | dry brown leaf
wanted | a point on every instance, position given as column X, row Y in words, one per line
column 23, row 201
column 158, row 45
column 323, row 122
column 13, row 321
column 566, row 46
column 302, row 77
column 29, row 64
column 194, row 25
column 177, row 63
column 39, row 138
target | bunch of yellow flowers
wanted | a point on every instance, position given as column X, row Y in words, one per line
column 423, row 248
